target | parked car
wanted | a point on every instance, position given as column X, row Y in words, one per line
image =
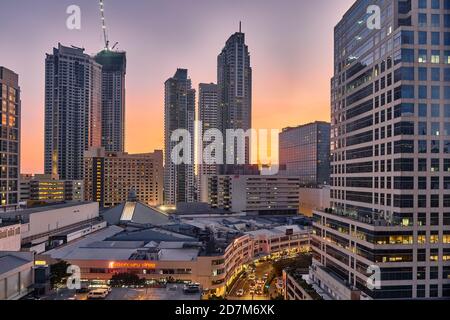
column 240, row 292
column 191, row 288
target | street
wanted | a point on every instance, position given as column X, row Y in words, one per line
column 245, row 282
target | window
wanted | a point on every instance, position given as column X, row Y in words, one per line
column 435, row 56
column 446, row 57
column 435, row 110
column 435, row 38
column 446, row 129
column 435, row 74
column 435, row 92
column 435, row 165
column 422, row 57
column 422, row 165
column 423, row 110
column 422, row 92
column 422, row 146
column 422, row 128
column 423, row 74
column 435, row 146
column 447, row 110
column 435, row 129
column 435, row 182
column 422, row 19
column 435, row 20
column 447, row 146
column 422, row 36
column 407, row 37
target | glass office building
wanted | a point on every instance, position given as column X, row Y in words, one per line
column 305, row 152
column 390, row 144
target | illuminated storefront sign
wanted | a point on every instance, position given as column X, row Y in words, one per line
column 131, row 265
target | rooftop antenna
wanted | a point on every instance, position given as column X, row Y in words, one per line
column 240, row 26
column 105, row 35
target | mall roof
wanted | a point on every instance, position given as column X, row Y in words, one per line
column 151, row 234
column 75, row 246
column 135, row 212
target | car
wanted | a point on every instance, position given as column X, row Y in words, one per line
column 266, row 275
column 240, row 292
column 173, row 288
column 105, row 288
column 252, row 277
column 252, row 291
column 98, row 294
column 191, row 288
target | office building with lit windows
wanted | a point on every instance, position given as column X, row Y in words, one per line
column 265, row 195
column 305, row 151
column 10, row 138
column 110, row 176
column 73, row 101
column 44, row 188
column 390, row 144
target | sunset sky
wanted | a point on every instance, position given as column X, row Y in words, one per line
column 290, row 41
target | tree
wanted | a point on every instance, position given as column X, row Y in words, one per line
column 126, row 279
column 58, row 273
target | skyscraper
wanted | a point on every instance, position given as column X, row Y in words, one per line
column 179, row 114
column 10, row 137
column 390, row 141
column 209, row 113
column 305, row 151
column 73, row 96
column 113, row 99
column 234, row 78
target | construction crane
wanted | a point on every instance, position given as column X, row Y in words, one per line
column 105, row 33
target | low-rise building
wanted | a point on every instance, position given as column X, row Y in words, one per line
column 45, row 188
column 39, row 224
column 16, row 274
column 253, row 193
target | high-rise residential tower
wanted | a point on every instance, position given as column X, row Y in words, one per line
column 234, row 78
column 209, row 114
column 73, row 97
column 179, row 114
column 390, row 141
column 113, row 98
column 305, row 151
column 9, row 138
